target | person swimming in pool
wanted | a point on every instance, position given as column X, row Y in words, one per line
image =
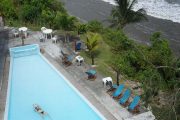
column 39, row 110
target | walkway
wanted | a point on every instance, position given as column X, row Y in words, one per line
column 3, row 50
column 3, row 84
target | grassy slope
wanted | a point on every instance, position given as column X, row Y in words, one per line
column 102, row 59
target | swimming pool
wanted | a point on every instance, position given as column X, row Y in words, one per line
column 33, row 80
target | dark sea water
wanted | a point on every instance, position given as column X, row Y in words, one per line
column 173, row 1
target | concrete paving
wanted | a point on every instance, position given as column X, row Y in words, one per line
column 92, row 90
column 3, row 89
column 3, row 50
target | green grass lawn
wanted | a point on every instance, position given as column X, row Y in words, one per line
column 102, row 59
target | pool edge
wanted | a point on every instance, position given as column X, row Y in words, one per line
column 8, row 90
column 74, row 88
column 6, row 113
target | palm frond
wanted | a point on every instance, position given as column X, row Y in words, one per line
column 132, row 4
column 92, row 41
column 139, row 15
column 123, row 14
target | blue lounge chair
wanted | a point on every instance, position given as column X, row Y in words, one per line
column 118, row 91
column 125, row 97
column 68, row 60
column 63, row 54
column 78, row 46
column 134, row 103
column 115, row 86
column 112, row 87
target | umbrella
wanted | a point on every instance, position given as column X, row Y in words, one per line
column 91, row 72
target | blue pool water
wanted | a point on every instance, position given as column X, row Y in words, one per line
column 33, row 80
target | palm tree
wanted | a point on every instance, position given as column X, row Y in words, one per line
column 92, row 44
column 123, row 14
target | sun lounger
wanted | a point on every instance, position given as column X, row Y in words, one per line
column 118, row 91
column 125, row 97
column 68, row 60
column 134, row 104
column 63, row 54
column 91, row 74
column 112, row 88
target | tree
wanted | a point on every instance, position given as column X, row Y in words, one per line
column 7, row 10
column 56, row 5
column 117, row 64
column 81, row 28
column 47, row 17
column 92, row 44
column 64, row 21
column 123, row 47
column 94, row 26
column 123, row 14
column 17, row 2
column 118, row 41
column 29, row 13
column 150, row 79
column 160, row 55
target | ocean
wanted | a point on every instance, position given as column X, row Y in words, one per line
column 164, row 9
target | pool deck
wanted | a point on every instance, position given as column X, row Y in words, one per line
column 92, row 90
column 3, row 77
column 3, row 90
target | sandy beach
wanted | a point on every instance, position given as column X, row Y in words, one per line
column 87, row 10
